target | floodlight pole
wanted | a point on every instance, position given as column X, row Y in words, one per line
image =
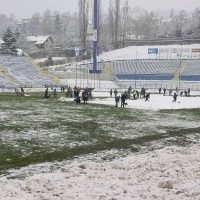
column 95, row 36
column 179, row 79
column 76, row 69
column 136, row 65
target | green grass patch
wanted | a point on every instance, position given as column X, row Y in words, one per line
column 35, row 130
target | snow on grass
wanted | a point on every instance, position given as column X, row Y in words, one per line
column 169, row 173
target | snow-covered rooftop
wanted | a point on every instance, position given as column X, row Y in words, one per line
column 141, row 52
column 38, row 39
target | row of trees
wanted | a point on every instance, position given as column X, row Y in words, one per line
column 116, row 25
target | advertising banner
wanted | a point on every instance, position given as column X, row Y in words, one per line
column 175, row 50
column 195, row 50
column 164, row 50
column 184, row 50
column 152, row 50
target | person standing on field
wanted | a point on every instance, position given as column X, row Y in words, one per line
column 46, row 93
column 147, row 97
column 175, row 97
column 123, row 99
column 164, row 91
column 117, row 101
column 115, row 93
column 111, row 93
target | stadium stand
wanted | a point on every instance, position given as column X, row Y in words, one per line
column 191, row 71
column 19, row 71
column 192, row 68
column 154, row 69
column 6, row 82
column 144, row 67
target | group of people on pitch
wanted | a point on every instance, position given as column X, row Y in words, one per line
column 53, row 94
column 127, row 95
column 86, row 95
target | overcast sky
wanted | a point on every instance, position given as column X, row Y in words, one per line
column 26, row 8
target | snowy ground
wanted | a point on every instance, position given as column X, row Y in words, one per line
column 168, row 173
column 156, row 101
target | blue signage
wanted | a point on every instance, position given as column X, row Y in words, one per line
column 152, row 50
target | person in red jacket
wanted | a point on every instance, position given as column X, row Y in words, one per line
column 85, row 96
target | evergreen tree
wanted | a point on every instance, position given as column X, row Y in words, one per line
column 9, row 45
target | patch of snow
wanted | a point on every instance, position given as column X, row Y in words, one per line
column 169, row 173
column 156, row 101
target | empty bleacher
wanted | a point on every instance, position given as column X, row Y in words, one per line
column 192, row 68
column 191, row 71
column 21, row 72
column 152, row 69
column 155, row 69
column 6, row 82
column 144, row 67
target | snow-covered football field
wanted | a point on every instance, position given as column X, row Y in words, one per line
column 151, row 149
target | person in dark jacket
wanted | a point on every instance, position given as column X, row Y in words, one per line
column 164, row 91
column 22, row 91
column 147, row 97
column 46, row 93
column 54, row 93
column 78, row 100
column 123, row 99
column 117, row 101
column 174, row 97
column 110, row 92
column 142, row 93
column 188, row 92
column 115, row 93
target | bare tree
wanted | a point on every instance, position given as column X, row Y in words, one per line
column 111, row 21
column 7, row 22
column 113, row 18
column 144, row 25
column 125, row 18
column 35, row 25
column 83, row 21
column 116, row 23
column 180, row 23
column 47, row 23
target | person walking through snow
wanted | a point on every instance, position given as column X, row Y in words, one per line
column 123, row 99
column 147, row 97
column 175, row 97
column 117, row 101
column 111, row 93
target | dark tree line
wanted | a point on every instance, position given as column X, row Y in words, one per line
column 116, row 25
